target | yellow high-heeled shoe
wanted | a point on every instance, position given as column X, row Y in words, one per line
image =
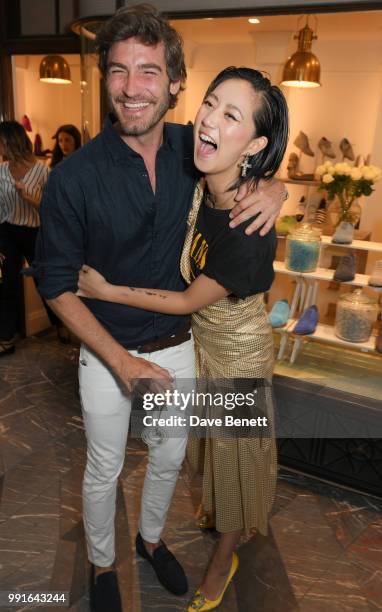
column 200, row 603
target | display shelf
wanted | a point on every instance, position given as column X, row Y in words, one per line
column 300, row 182
column 362, row 245
column 305, row 294
column 285, row 328
column 325, row 274
column 325, row 333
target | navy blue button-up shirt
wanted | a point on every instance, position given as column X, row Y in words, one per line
column 98, row 208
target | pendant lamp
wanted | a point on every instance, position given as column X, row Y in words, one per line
column 55, row 69
column 303, row 68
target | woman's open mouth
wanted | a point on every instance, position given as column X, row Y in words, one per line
column 207, row 145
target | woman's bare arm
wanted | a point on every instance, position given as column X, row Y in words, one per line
column 202, row 292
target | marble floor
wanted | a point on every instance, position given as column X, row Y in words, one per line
column 323, row 553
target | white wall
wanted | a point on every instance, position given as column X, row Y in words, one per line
column 349, row 103
column 47, row 105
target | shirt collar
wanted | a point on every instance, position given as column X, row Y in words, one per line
column 119, row 150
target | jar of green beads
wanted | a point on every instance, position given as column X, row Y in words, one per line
column 303, row 249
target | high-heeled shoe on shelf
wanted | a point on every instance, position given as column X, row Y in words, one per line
column 200, row 603
column 279, row 315
column 347, row 149
column 346, row 268
column 307, row 323
column 359, row 161
column 326, row 148
column 320, row 215
column 302, row 143
column 292, row 167
column 293, row 171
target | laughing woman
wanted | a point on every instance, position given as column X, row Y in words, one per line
column 241, row 133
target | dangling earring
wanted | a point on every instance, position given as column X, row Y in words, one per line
column 245, row 165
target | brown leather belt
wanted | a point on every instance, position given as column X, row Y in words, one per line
column 181, row 336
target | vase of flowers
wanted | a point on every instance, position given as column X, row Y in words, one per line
column 347, row 183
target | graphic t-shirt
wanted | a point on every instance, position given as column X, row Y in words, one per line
column 240, row 263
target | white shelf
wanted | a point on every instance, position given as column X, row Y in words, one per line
column 360, row 280
column 325, row 333
column 306, row 293
column 299, row 182
column 285, row 328
column 362, row 245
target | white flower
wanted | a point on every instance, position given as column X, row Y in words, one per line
column 377, row 172
column 343, row 168
column 338, row 168
column 356, row 174
column 320, row 170
column 327, row 178
column 328, row 164
column 368, row 173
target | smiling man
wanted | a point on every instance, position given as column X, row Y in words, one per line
column 120, row 204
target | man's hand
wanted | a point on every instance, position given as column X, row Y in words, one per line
column 141, row 376
column 129, row 369
column 267, row 200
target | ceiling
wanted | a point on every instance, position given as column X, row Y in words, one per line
column 331, row 26
column 213, row 5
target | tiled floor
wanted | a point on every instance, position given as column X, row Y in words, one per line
column 323, row 553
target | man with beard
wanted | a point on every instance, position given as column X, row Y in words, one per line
column 120, row 204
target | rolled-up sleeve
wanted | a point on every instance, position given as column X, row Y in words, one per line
column 60, row 244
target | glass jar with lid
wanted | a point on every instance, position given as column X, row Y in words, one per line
column 355, row 316
column 303, row 249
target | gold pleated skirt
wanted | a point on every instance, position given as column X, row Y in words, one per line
column 233, row 339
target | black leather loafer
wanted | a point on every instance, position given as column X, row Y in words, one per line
column 168, row 570
column 104, row 592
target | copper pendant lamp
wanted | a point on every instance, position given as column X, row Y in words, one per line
column 303, row 68
column 55, row 69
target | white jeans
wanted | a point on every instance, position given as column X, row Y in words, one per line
column 106, row 411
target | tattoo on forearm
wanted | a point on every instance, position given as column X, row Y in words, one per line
column 160, row 295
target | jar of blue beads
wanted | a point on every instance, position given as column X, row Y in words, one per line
column 303, row 249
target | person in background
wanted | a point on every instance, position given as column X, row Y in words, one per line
column 68, row 140
column 22, row 179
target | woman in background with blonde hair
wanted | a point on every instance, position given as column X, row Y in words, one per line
column 22, row 179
